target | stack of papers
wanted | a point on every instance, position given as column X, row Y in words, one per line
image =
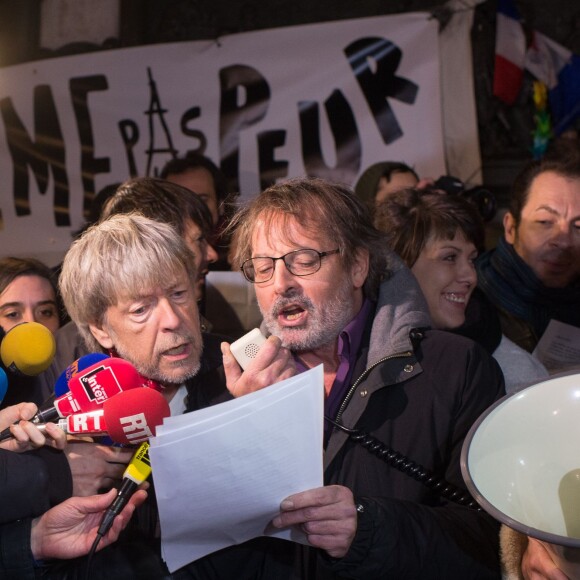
column 220, row 473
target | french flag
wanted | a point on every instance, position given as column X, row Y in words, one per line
column 510, row 52
column 559, row 69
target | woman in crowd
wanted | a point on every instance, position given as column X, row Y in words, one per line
column 27, row 293
column 439, row 236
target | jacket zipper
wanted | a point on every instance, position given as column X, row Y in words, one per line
column 364, row 374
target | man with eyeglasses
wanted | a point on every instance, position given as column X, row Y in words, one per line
column 332, row 293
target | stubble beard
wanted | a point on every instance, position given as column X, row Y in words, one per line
column 324, row 322
column 151, row 369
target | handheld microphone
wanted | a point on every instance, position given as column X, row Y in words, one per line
column 128, row 418
column 91, row 387
column 137, row 472
column 3, row 384
column 28, row 348
column 80, row 364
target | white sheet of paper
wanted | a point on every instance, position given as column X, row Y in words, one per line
column 222, row 472
column 559, row 348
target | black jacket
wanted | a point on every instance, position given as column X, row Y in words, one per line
column 30, row 484
column 418, row 392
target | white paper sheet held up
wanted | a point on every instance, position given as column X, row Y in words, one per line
column 559, row 347
column 220, row 473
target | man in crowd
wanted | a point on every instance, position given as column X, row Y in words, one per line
column 330, row 291
column 129, row 286
column 202, row 176
column 330, row 294
column 165, row 202
column 381, row 179
column 532, row 275
column 96, row 466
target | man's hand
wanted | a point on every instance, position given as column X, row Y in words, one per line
column 327, row 515
column 95, row 467
column 537, row 563
column 26, row 435
column 272, row 364
column 69, row 529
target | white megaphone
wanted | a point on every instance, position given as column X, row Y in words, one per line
column 521, row 462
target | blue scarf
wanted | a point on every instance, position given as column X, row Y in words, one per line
column 512, row 286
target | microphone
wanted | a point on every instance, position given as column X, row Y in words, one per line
column 80, row 364
column 128, row 418
column 28, row 348
column 89, row 390
column 137, row 472
column 61, row 386
column 3, row 384
column 91, row 387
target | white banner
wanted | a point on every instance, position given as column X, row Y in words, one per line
column 324, row 100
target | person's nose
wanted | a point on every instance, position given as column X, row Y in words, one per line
column 467, row 272
column 170, row 319
column 282, row 280
column 563, row 235
column 28, row 315
column 211, row 255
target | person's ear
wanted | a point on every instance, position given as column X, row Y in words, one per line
column 360, row 268
column 509, row 228
column 102, row 336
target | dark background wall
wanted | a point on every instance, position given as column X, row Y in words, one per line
column 505, row 132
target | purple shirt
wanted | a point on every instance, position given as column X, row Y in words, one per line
column 349, row 341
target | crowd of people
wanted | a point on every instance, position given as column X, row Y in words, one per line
column 419, row 327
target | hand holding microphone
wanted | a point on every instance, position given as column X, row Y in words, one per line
column 127, row 418
column 95, row 466
column 135, row 475
column 89, row 389
column 24, row 434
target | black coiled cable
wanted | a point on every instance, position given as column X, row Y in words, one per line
column 409, row 467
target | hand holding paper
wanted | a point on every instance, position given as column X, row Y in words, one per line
column 327, row 515
column 222, row 472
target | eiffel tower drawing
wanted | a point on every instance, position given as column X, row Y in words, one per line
column 156, row 115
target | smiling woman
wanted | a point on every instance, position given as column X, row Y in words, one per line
column 27, row 293
column 439, row 236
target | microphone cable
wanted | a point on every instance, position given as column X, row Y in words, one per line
column 409, row 467
column 89, row 561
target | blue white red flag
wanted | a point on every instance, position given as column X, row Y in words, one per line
column 510, row 52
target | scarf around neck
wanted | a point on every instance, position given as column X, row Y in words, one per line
column 512, row 285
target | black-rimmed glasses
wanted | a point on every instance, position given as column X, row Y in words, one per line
column 298, row 262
